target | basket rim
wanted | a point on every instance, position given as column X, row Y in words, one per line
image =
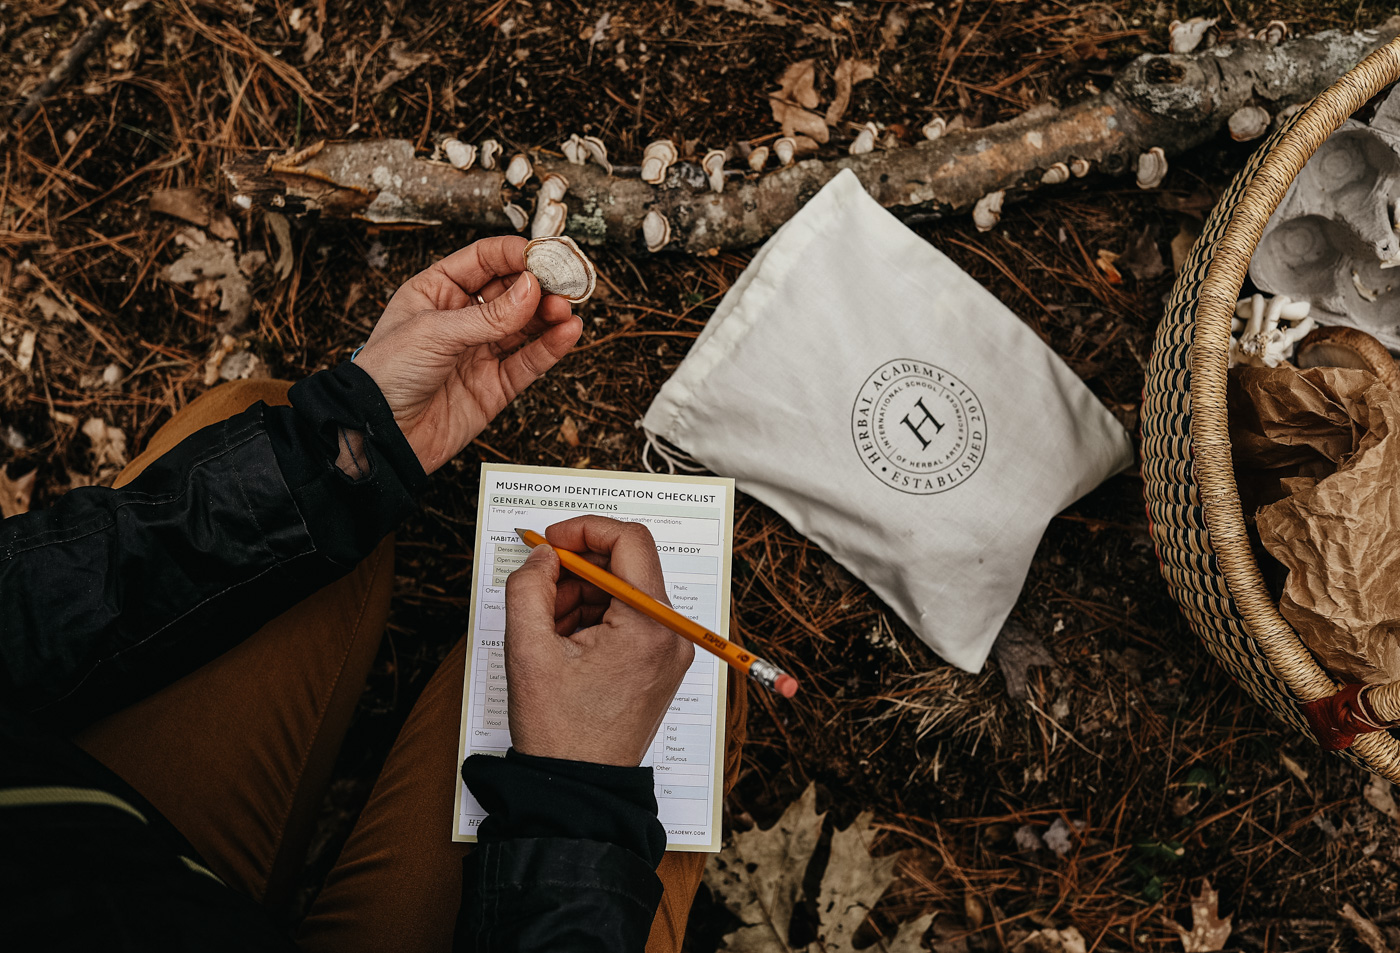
column 1212, row 460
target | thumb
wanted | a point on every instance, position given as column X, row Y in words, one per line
column 498, row 318
column 531, row 591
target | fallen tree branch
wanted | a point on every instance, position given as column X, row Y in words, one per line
column 88, row 41
column 1172, row 101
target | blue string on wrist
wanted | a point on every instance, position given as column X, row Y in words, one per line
column 356, row 353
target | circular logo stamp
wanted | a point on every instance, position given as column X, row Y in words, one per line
column 918, row 428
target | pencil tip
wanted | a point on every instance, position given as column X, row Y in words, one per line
column 519, row 532
column 786, row 685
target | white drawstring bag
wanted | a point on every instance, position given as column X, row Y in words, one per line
column 867, row 389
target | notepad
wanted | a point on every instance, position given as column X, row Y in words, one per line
column 692, row 520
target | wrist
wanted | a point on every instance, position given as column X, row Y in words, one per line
column 352, row 460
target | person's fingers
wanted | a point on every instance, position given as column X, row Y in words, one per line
column 630, row 549
column 569, row 596
column 529, row 362
column 471, row 268
column 531, row 592
column 487, row 323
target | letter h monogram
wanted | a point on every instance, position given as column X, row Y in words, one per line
column 916, row 428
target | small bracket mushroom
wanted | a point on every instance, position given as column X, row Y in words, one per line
column 758, row 158
column 519, row 218
column 865, row 141
column 519, row 170
column 490, row 149
column 598, row 152
column 785, row 149
column 1151, row 168
column 934, row 128
column 460, row 154
column 574, row 150
column 1186, row 36
column 656, row 231
column 657, row 159
column 1248, row 122
column 713, row 167
column 987, row 212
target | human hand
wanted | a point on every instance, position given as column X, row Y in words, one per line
column 588, row 678
column 461, row 340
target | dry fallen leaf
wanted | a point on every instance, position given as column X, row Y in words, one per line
column 189, row 204
column 216, row 265
column 568, row 431
column 282, row 232
column 15, row 494
column 1209, row 930
column 795, row 97
column 108, row 449
column 1050, row 940
column 1366, row 931
column 1017, row 649
column 759, row 877
column 1378, row 795
column 847, row 74
column 1182, row 244
column 24, row 353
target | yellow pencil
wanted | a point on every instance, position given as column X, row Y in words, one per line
column 761, row 671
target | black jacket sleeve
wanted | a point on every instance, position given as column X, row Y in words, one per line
column 113, row 593
column 566, row 858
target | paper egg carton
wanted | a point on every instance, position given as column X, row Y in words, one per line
column 1333, row 239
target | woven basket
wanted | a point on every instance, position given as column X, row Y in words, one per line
column 1192, row 502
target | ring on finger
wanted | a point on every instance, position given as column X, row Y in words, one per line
column 480, row 300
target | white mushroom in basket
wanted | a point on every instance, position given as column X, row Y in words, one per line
column 460, row 154
column 1151, row 168
column 987, row 212
column 713, row 167
column 519, row 170
column 657, row 159
column 758, row 158
column 561, row 267
column 1269, row 329
column 656, row 231
column 490, row 149
column 785, row 149
column 1335, row 346
column 598, row 152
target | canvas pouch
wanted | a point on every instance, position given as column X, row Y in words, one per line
column 893, row 411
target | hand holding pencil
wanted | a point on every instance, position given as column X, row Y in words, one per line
column 591, row 677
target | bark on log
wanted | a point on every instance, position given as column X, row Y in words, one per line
column 1173, row 101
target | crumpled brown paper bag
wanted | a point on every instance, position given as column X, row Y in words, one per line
column 1337, row 533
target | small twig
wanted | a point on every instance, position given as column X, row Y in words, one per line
column 95, row 33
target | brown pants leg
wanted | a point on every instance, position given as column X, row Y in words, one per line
column 398, row 883
column 238, row 753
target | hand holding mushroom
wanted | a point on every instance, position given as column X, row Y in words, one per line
column 460, row 340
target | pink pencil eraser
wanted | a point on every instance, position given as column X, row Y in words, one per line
column 786, row 686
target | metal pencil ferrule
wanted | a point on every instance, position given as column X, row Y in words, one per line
column 765, row 673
